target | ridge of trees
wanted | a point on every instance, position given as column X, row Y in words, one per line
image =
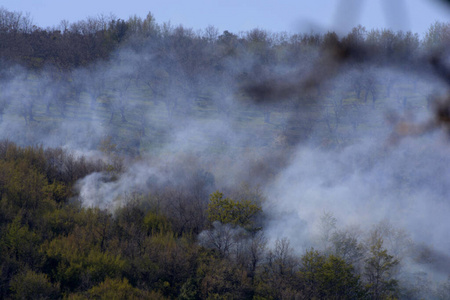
column 71, row 45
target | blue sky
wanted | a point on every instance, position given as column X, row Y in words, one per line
column 244, row 15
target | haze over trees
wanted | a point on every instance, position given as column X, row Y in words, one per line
column 145, row 160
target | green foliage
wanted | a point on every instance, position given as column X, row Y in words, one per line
column 111, row 289
column 189, row 290
column 76, row 258
column 62, row 221
column 174, row 257
column 22, row 184
column 101, row 265
column 311, row 262
column 228, row 211
column 338, row 280
column 18, row 242
column 156, row 223
column 329, row 277
column 57, row 191
column 32, row 285
column 379, row 270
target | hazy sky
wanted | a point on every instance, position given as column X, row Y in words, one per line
column 243, row 15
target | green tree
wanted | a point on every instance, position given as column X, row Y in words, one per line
column 311, row 263
column 379, row 272
column 329, row 277
column 338, row 280
column 228, row 211
column 19, row 243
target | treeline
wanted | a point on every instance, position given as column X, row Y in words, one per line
column 176, row 242
column 67, row 48
column 71, row 45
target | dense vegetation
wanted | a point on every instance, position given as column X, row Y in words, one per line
column 52, row 247
column 195, row 235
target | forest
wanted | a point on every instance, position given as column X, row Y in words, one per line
column 141, row 160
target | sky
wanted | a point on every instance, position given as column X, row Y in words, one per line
column 243, row 15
